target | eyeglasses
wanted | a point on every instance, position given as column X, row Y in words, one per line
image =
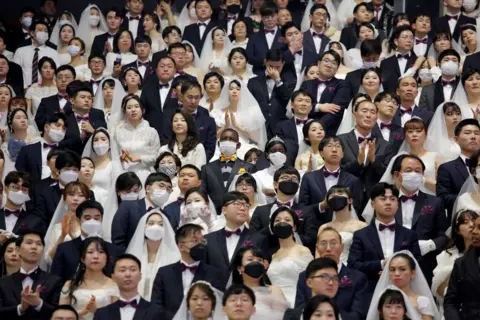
column 96, row 61
column 195, row 242
column 332, row 62
column 16, row 188
column 239, row 204
column 325, row 244
column 326, row 278
column 331, row 146
column 244, row 185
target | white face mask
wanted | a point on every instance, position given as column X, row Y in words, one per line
column 369, row 64
column 227, row 148
column 159, row 196
column 93, row 20
column 73, row 50
column 469, row 5
column 56, row 135
column 425, row 75
column 129, row 196
column 449, row 68
column 42, row 37
column 154, row 232
column 278, row 159
column 101, row 148
column 18, row 197
column 27, row 22
column 68, row 176
column 91, row 227
column 412, row 180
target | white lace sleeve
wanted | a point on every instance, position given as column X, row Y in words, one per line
column 153, row 148
column 199, row 156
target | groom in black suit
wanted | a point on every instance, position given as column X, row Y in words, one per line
column 196, row 33
column 452, row 175
column 30, row 293
column 130, row 305
column 172, row 280
column 374, row 244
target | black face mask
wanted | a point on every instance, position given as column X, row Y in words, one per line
column 288, row 187
column 198, row 252
column 255, row 269
column 282, row 230
column 233, row 8
column 337, row 203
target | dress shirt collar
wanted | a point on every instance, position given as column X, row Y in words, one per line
column 148, row 204
column 169, row 84
column 379, row 122
column 274, row 30
column 358, row 134
column 464, row 157
column 377, row 223
column 401, row 193
column 241, row 228
column 412, row 108
column 339, row 267
column 130, row 15
column 206, row 21
column 195, row 264
column 30, row 272
column 137, row 298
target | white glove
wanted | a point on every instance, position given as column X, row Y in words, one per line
column 424, row 305
column 205, row 214
column 426, row 246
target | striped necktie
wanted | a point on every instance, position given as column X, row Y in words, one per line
column 35, row 66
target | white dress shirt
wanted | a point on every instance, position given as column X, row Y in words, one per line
column 321, row 87
column 270, row 37
column 452, row 23
column 10, row 222
column 316, row 40
column 378, row 14
column 387, row 239
column 128, row 312
column 148, row 204
column 188, row 275
column 385, row 131
column 133, row 25
column 46, row 172
column 110, row 39
column 95, row 85
column 402, row 63
column 202, row 28
column 299, row 128
column 357, row 135
column 447, row 89
column 330, row 181
column 406, row 116
column 230, row 23
column 29, row 282
column 24, row 58
column 62, row 102
column 420, row 48
column 142, row 69
column 232, row 242
column 164, row 93
column 407, row 211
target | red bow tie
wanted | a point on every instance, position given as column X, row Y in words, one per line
column 362, row 139
column 448, row 82
column 390, row 227
column 403, row 111
column 424, row 41
column 46, row 145
column 132, row 303
column 299, row 121
column 184, row 267
column 452, row 17
column 16, row 213
column 327, row 173
column 406, row 198
column 269, row 31
column 80, row 118
column 228, row 234
column 143, row 64
column 314, row 34
column 385, row 125
column 134, row 18
column 62, row 96
column 281, row 204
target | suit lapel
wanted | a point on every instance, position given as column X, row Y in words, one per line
column 399, row 214
column 411, row 60
column 293, row 128
column 417, row 211
column 222, row 245
column 374, row 239
column 309, row 43
column 439, row 97
column 17, row 286
column 177, row 273
column 462, row 168
column 236, row 167
column 38, row 158
column 320, row 177
column 3, row 225
column 399, row 236
column 243, row 238
column 323, row 44
column 217, row 168
column 142, row 308
column 353, row 143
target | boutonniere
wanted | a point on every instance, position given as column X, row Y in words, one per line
column 332, row 89
column 43, row 289
column 299, row 214
column 248, row 243
column 427, row 209
column 346, row 282
column 174, row 94
column 24, row 226
column 404, row 243
column 241, row 170
column 398, row 136
column 281, row 39
column 201, row 128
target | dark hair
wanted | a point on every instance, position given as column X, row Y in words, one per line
column 327, row 140
column 366, row 25
column 66, row 307
column 157, row 177
column 192, row 49
column 252, row 151
column 80, row 274
column 169, row 30
column 249, row 179
column 215, row 29
column 232, row 196
column 35, row 23
column 189, row 84
column 391, row 296
column 285, row 170
column 129, row 97
column 367, row 6
column 339, row 189
column 382, row 95
column 317, row 6
column 308, row 67
column 11, row 115
column 468, row 73
column 155, row 20
column 334, row 54
column 67, row 159
column 212, row 74
column 410, row 260
column 207, row 289
column 441, row 34
column 127, row 181
column 399, row 17
column 47, row 60
column 240, row 20
column 451, row 106
column 377, row 71
column 397, row 164
column 67, row 25
column 198, row 190
column 192, row 167
column 82, row 43
column 186, row 230
column 24, row 232
column 280, row 210
column 192, row 139
column 236, row 50
column 270, row 144
column 464, row 28
column 97, row 131
column 396, row 34
column 65, row 67
column 116, row 38
column 275, row 55
column 370, row 46
column 472, row 166
column 177, row 45
column 17, row 176
column 88, row 204
column 3, row 250
column 124, row 75
column 178, row 162
column 82, row 87
column 448, row 52
column 94, row 55
column 306, row 128
column 381, row 188
column 358, row 104
column 319, row 264
column 168, row 58
column 315, row 302
column 74, row 186
column 143, row 39
column 268, row 9
column 464, row 123
column 117, row 10
column 237, row 289
column 54, row 152
column 54, row 119
column 456, row 240
column 127, row 256
column 288, row 25
column 301, row 91
column 237, row 263
column 26, row 10
column 207, row 1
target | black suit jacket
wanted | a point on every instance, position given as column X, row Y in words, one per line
column 432, row 95
column 47, row 107
column 95, row 117
column 396, row 137
column 309, row 44
column 46, row 196
column 140, row 30
column 10, row 296
column 366, row 251
column 26, row 221
column 471, row 62
column 149, row 72
column 15, row 78
column 212, row 179
column 287, row 131
column 30, row 160
column 172, row 212
column 98, row 45
column 67, row 257
column 336, row 92
column 168, row 290
column 350, row 298
column 391, row 71
column 125, row 221
column 461, row 300
column 191, row 33
column 217, row 253
column 144, row 311
column 450, row 178
column 441, row 24
column 257, row 49
column 424, row 114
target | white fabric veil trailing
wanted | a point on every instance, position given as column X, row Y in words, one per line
column 208, row 54
column 433, row 53
column 57, row 217
column 184, row 19
column 469, row 186
column 331, row 11
column 111, row 204
column 184, row 314
column 55, row 38
column 196, row 58
column 116, row 114
column 418, row 285
column 373, row 314
column 460, row 97
column 259, row 197
column 84, row 31
column 248, row 115
column 167, row 253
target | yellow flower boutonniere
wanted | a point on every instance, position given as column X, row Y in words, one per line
column 242, row 170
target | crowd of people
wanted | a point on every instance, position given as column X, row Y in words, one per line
column 240, row 160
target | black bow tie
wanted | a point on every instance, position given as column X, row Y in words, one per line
column 467, row 162
column 163, row 85
column 184, row 267
column 134, row 18
column 385, row 125
column 362, row 139
column 202, row 24
column 132, row 303
column 180, row 200
column 281, row 204
column 299, row 121
column 97, row 82
column 405, row 198
column 299, row 52
column 33, row 275
column 325, row 82
column 228, row 234
column 46, row 145
column 404, row 56
column 327, row 173
column 269, row 31
column 62, row 96
column 143, row 64
column 424, row 41
column 314, row 34
column 403, row 111
column 448, row 82
column 231, row 18
column 390, row 227
column 16, row 213
column 80, row 118
column 452, row 17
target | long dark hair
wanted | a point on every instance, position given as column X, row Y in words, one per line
column 192, row 139
column 3, row 250
column 237, row 263
column 313, row 304
column 391, row 297
column 79, row 276
column 456, row 240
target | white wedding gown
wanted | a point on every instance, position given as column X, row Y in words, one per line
column 465, row 201
column 284, row 272
column 103, row 177
column 347, row 238
column 430, row 169
column 103, row 297
column 267, row 305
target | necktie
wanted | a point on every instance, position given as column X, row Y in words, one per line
column 46, row 145
column 424, row 41
column 385, row 125
column 80, row 118
column 269, row 31
column 16, row 213
column 228, row 234
column 403, row 111
column 184, row 267
column 447, row 82
column 390, row 227
column 327, row 173
column 467, row 162
column 404, row 56
column 452, row 17
column 299, row 121
column 143, row 64
column 62, row 96
column 362, row 139
column 163, row 85
column 202, row 24
column 227, row 158
column 35, row 66
column 282, row 204
column 405, row 198
column 134, row 18
column 377, row 16
column 132, row 303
